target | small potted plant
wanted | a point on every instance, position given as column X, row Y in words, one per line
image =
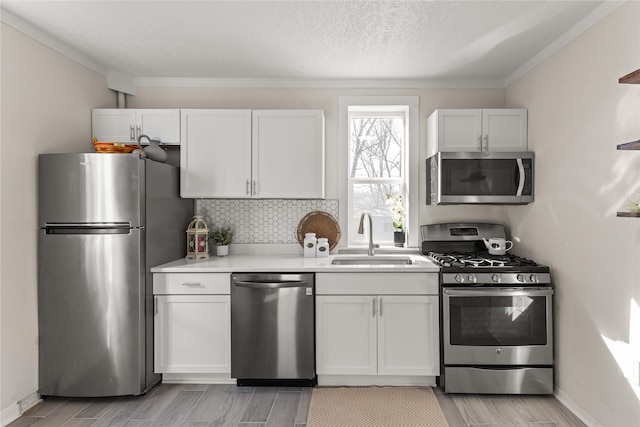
column 396, row 204
column 221, row 237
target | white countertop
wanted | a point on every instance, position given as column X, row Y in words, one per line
column 286, row 263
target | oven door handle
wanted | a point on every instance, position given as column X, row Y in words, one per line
column 502, row 292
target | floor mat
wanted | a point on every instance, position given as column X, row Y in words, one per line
column 375, row 406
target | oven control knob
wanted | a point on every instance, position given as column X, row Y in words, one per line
column 471, row 278
column 534, row 278
column 521, row 278
column 498, row 351
column 459, row 278
column 495, row 278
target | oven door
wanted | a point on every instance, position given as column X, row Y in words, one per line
column 498, row 326
column 484, row 178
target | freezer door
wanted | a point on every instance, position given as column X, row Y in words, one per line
column 91, row 312
column 90, row 188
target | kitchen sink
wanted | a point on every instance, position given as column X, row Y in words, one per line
column 373, row 260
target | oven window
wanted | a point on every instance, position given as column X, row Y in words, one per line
column 498, row 320
column 483, row 177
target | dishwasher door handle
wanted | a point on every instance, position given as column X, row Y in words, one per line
column 272, row 285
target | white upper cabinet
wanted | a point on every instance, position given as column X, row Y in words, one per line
column 288, row 154
column 215, row 157
column 474, row 130
column 259, row 154
column 126, row 125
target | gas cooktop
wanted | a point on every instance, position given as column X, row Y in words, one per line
column 459, row 250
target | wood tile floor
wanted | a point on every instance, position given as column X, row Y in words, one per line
column 188, row 405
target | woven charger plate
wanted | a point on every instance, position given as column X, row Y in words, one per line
column 321, row 223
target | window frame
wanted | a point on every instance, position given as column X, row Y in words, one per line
column 411, row 103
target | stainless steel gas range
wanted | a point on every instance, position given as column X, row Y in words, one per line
column 496, row 313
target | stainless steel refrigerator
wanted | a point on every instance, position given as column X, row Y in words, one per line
column 105, row 220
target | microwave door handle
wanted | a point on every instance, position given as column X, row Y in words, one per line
column 521, row 177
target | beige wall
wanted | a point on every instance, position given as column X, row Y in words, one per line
column 578, row 113
column 46, row 103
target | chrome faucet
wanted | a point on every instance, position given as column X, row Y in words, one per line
column 372, row 246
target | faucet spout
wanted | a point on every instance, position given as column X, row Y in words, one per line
column 372, row 246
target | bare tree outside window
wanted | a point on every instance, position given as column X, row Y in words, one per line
column 377, row 161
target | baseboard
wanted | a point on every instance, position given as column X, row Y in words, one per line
column 10, row 414
column 575, row 408
column 197, row 379
column 14, row 411
column 375, row 380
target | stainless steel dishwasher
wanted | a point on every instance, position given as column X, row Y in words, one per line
column 272, row 329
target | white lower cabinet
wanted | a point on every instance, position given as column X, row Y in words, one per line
column 346, row 335
column 389, row 333
column 192, row 334
column 192, row 330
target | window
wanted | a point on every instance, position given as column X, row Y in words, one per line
column 376, row 149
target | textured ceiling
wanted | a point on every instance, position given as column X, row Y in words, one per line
column 419, row 40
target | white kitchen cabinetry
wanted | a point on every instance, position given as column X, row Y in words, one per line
column 288, row 154
column 192, row 326
column 477, row 130
column 259, row 154
column 215, row 157
column 376, row 324
column 126, row 125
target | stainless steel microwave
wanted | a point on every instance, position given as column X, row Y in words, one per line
column 480, row 178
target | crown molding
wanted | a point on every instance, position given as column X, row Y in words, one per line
column 583, row 25
column 52, row 42
column 316, row 83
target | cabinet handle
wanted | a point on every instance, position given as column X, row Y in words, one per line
column 248, row 190
column 479, row 146
column 373, row 305
column 380, row 306
column 255, row 188
column 192, row 285
column 138, row 132
column 155, row 306
column 486, row 143
column 132, row 133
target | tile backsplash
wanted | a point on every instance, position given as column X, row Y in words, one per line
column 268, row 221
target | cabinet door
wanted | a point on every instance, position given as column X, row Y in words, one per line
column 160, row 124
column 288, row 153
column 192, row 334
column 346, row 335
column 459, row 130
column 215, row 156
column 504, row 130
column 114, row 125
column 408, row 335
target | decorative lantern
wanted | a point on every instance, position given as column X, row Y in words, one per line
column 197, row 239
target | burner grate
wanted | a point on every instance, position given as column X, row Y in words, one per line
column 479, row 260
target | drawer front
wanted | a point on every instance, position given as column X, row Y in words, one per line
column 191, row 283
column 376, row 283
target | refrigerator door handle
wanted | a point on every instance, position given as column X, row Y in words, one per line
column 87, row 225
column 87, row 229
